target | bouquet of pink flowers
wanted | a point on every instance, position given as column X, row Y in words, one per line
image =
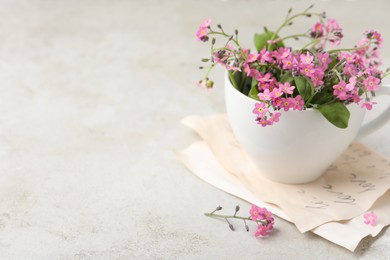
column 281, row 78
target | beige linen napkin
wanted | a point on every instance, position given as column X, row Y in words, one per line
column 349, row 188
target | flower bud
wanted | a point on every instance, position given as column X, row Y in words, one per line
column 231, row 227
column 210, row 84
column 204, row 38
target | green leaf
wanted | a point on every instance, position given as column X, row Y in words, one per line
column 333, row 62
column 287, row 77
column 253, row 93
column 336, row 113
column 322, row 98
column 261, row 41
column 238, row 80
column 305, row 87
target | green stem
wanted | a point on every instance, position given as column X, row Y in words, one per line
column 351, row 49
column 316, row 40
column 208, row 72
column 313, row 42
column 295, row 36
column 386, row 74
column 212, row 215
column 337, row 74
column 288, row 21
column 226, row 35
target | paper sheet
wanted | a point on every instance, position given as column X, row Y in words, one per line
column 349, row 188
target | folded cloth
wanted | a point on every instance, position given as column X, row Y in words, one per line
column 331, row 207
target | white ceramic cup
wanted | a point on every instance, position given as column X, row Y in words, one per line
column 302, row 145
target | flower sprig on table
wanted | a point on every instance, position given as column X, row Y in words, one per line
column 261, row 216
column 281, row 78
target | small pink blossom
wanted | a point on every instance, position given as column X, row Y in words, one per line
column 203, row 30
column 264, row 56
column 348, row 57
column 275, row 117
column 356, row 98
column 376, row 36
column 307, row 69
column 205, row 84
column 260, row 109
column 350, row 69
column 276, row 102
column 370, row 218
column 352, row 83
column 285, row 53
column 221, row 57
column 276, row 92
column 297, row 103
column 258, row 213
column 253, row 73
column 306, row 59
column 317, row 77
column 287, row 63
column 318, row 30
column 265, row 217
column 262, row 121
column 286, row 103
column 332, row 25
column 364, row 45
column 266, row 78
column 263, row 230
column 286, row 87
column 339, row 90
column 247, row 69
column 232, row 68
column 206, row 23
column 265, row 81
column 264, row 96
column 334, row 30
column 368, row 105
column 252, row 57
column 324, row 60
column 201, row 84
column 371, row 83
column 263, row 86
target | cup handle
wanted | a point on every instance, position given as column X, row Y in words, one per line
column 380, row 120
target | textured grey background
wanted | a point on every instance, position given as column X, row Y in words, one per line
column 91, row 95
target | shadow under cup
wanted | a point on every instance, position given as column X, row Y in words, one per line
column 301, row 146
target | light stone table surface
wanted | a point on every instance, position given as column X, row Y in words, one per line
column 91, row 98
